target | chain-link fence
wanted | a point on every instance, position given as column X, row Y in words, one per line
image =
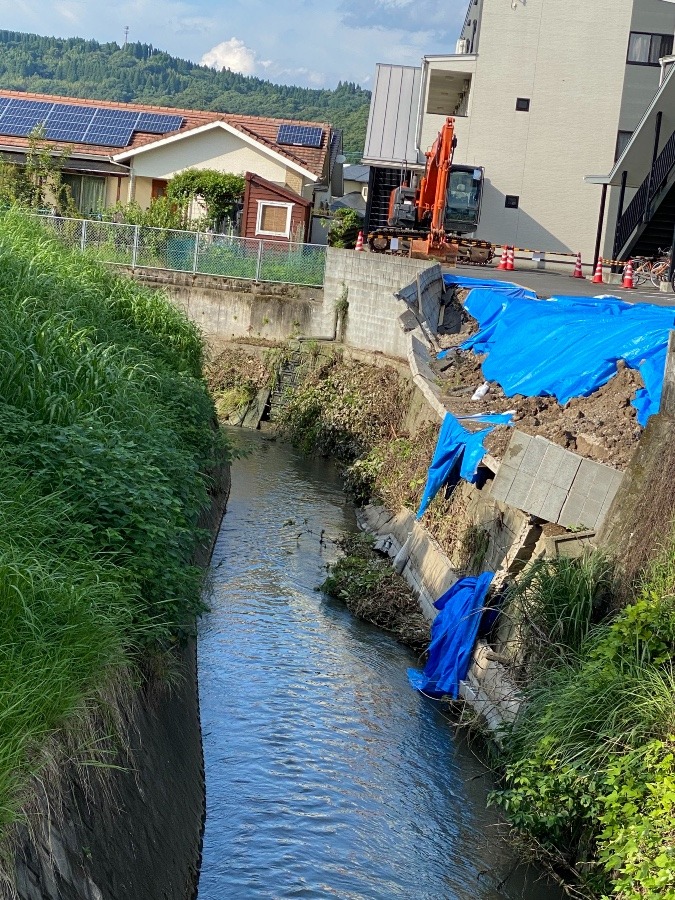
column 201, row 253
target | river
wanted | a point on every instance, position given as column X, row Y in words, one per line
column 326, row 774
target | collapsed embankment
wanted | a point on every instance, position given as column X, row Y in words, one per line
column 584, row 647
column 111, row 472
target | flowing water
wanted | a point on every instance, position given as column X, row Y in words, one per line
column 326, row 774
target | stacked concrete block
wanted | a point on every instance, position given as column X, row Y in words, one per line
column 553, row 484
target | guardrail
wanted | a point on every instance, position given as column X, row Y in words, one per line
column 195, row 252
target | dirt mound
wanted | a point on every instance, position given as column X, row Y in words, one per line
column 602, row 427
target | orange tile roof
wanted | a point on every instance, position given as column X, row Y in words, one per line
column 260, row 128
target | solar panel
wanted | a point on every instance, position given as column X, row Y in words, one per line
column 81, row 124
column 300, row 135
column 115, row 136
column 154, row 123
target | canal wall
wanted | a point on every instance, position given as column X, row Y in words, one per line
column 131, row 829
column 229, row 309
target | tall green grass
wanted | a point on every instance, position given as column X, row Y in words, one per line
column 106, row 444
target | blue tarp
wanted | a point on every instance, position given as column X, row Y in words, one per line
column 456, row 448
column 588, row 336
column 453, row 636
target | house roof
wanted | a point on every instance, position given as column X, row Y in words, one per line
column 357, row 173
column 276, row 189
column 261, row 129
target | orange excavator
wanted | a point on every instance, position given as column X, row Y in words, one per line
column 429, row 220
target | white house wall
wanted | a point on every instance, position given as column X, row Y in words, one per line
column 214, row 149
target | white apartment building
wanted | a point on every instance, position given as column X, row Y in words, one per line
column 544, row 93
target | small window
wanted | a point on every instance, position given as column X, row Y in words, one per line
column 622, row 139
column 274, row 218
column 646, row 49
column 523, row 104
column 511, row 201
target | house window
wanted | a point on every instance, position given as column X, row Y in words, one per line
column 523, row 104
column 158, row 188
column 622, row 139
column 274, row 218
column 88, row 192
column 511, row 201
column 646, row 49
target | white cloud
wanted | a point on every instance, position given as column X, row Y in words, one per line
column 71, row 12
column 234, row 55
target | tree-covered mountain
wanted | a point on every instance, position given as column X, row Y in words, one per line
column 140, row 73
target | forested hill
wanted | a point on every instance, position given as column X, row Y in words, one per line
column 139, row 73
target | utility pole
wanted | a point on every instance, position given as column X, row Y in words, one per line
column 126, row 35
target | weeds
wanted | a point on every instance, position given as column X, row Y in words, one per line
column 106, row 444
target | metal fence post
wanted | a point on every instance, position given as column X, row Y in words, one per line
column 134, row 252
column 83, row 236
column 259, row 263
column 195, row 260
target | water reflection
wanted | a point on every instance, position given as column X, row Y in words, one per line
column 327, row 776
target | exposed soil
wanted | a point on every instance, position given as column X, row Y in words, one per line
column 602, row 427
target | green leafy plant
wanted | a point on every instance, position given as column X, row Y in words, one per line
column 344, row 228
column 220, row 191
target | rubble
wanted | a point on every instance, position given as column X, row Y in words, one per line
column 602, row 427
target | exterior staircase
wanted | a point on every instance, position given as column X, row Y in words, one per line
column 287, row 379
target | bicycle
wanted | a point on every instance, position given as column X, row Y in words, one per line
column 651, row 268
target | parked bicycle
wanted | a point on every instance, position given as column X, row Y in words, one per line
column 654, row 268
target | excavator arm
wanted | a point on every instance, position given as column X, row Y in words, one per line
column 432, row 193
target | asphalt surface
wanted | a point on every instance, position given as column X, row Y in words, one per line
column 552, row 284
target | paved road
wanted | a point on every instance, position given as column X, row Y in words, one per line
column 550, row 284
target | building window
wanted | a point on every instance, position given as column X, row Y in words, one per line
column 523, row 104
column 88, row 192
column 511, row 201
column 622, row 139
column 646, row 49
column 274, row 218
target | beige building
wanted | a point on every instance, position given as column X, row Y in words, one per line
column 544, row 93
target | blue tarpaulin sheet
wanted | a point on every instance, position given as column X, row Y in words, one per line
column 567, row 346
column 453, row 636
column 456, row 448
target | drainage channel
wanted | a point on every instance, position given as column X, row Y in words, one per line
column 326, row 775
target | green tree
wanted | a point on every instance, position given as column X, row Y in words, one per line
column 220, row 191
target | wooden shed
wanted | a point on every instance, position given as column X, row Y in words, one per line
column 274, row 213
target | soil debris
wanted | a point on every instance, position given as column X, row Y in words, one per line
column 602, row 427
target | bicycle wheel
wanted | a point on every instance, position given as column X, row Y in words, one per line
column 642, row 270
column 659, row 271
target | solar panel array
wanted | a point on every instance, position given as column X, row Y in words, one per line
column 81, row 124
column 298, row 135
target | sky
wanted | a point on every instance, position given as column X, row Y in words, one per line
column 313, row 44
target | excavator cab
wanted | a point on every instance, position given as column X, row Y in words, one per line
column 464, row 196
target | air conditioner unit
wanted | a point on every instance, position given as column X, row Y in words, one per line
column 462, row 47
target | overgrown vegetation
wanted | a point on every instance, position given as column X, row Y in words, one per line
column 371, row 589
column 590, row 779
column 106, row 445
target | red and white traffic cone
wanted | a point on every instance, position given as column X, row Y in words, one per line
column 510, row 260
column 597, row 277
column 504, row 259
column 359, row 241
column 578, row 271
column 628, row 282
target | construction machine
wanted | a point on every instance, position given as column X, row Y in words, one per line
column 429, row 220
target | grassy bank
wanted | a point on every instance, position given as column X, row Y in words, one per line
column 589, row 781
column 106, row 442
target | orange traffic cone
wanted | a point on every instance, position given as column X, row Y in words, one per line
column 510, row 259
column 504, row 259
column 578, row 271
column 628, row 276
column 597, row 277
column 359, row 241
